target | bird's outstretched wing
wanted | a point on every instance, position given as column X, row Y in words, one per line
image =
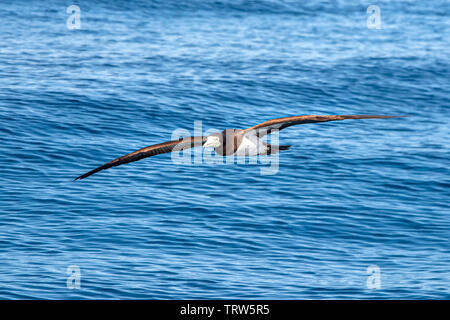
column 279, row 124
column 165, row 147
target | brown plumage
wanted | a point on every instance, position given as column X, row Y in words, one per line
column 229, row 141
column 165, row 147
column 281, row 123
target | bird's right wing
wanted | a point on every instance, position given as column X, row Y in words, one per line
column 165, row 147
column 279, row 124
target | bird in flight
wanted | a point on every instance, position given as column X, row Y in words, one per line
column 238, row 142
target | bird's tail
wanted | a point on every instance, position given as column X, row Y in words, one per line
column 286, row 147
column 272, row 149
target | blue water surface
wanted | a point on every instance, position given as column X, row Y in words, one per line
column 348, row 194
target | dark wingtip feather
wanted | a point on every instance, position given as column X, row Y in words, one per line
column 392, row 117
column 80, row 177
column 89, row 173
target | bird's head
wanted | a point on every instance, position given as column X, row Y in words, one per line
column 213, row 141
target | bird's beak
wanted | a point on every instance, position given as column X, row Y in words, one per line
column 207, row 144
column 210, row 143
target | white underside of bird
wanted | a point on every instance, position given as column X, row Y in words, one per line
column 251, row 145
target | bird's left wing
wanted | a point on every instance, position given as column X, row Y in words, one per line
column 278, row 124
column 165, row 147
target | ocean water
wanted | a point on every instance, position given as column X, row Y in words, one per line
column 358, row 209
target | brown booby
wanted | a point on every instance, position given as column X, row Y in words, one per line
column 238, row 142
